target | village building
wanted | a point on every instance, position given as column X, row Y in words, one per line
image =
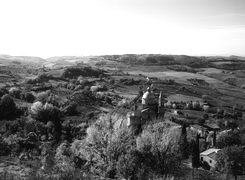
column 209, row 156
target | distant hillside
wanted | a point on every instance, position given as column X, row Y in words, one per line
column 229, row 63
column 71, row 59
column 59, row 61
column 22, row 59
column 220, row 62
column 153, row 59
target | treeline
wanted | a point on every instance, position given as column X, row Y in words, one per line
column 74, row 72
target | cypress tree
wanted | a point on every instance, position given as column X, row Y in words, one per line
column 196, row 153
column 183, row 143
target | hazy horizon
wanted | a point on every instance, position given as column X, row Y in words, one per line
column 105, row 27
column 46, row 58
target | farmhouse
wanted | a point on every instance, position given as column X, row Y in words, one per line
column 209, row 156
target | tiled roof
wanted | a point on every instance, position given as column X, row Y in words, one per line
column 210, row 152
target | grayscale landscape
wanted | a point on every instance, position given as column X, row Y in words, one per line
column 126, row 90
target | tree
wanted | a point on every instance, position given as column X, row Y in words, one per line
column 43, row 96
column 27, row 96
column 64, row 165
column 7, row 107
column 70, row 109
column 15, row 92
column 229, row 138
column 196, row 153
column 47, row 113
column 102, row 148
column 3, row 91
column 160, row 149
column 231, row 161
column 131, row 165
column 184, row 146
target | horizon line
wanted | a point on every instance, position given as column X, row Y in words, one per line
column 121, row 54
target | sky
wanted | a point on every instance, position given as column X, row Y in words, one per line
column 47, row 28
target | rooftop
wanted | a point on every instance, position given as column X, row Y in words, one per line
column 209, row 152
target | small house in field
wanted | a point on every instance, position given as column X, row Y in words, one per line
column 209, row 156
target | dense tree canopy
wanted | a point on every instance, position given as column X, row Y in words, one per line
column 231, row 161
column 229, row 138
